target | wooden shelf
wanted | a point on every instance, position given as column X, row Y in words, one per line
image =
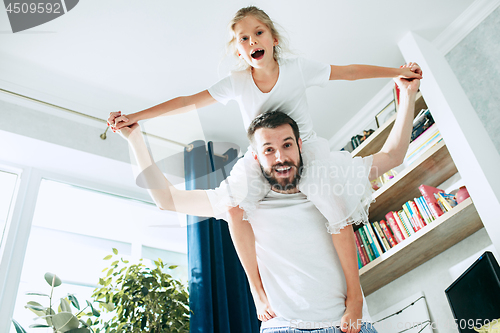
column 444, row 232
column 432, row 168
column 375, row 141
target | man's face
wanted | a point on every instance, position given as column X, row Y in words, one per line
column 279, row 157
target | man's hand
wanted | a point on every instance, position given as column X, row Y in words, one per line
column 408, row 84
column 125, row 132
column 116, row 120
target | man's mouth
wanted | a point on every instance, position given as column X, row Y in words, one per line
column 283, row 171
column 257, row 54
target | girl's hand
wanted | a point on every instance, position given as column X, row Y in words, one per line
column 409, row 85
column 351, row 320
column 116, row 120
column 411, row 71
column 264, row 310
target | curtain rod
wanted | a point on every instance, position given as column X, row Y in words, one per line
column 188, row 147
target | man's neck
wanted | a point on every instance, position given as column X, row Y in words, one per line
column 290, row 191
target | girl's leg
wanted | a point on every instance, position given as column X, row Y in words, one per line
column 244, row 243
column 346, row 249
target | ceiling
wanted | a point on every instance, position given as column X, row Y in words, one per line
column 128, row 55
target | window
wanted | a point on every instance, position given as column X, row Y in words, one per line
column 74, row 228
column 7, row 188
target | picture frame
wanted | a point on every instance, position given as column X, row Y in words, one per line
column 387, row 112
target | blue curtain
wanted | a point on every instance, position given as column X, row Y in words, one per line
column 219, row 295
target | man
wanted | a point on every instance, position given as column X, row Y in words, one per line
column 305, row 276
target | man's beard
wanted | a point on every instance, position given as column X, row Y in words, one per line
column 284, row 185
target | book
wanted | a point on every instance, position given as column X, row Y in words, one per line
column 387, row 233
column 362, row 252
column 369, row 227
column 359, row 248
column 365, row 241
column 406, row 222
column 414, row 224
column 428, row 194
column 421, row 123
column 449, row 198
column 360, row 263
column 394, row 227
column 426, row 208
column 445, row 206
column 401, row 225
column 417, row 214
column 422, row 211
column 372, row 241
column 381, row 235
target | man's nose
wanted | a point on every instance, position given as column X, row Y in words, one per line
column 278, row 156
column 253, row 41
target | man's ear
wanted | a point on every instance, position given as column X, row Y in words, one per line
column 300, row 144
column 255, row 157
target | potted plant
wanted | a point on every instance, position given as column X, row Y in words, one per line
column 142, row 299
column 62, row 321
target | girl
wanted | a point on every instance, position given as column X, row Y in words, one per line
column 271, row 82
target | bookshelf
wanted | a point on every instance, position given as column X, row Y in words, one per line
column 432, row 168
column 444, row 232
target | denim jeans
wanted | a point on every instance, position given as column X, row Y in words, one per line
column 365, row 328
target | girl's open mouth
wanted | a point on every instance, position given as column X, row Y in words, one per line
column 258, row 54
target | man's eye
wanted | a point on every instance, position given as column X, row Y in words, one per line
column 269, row 150
column 260, row 33
column 288, row 145
column 242, row 39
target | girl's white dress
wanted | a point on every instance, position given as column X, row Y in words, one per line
column 334, row 181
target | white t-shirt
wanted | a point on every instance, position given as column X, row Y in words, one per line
column 298, row 264
column 288, row 95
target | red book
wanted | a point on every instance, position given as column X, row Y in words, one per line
column 361, row 255
column 387, row 233
column 398, row 233
column 417, row 213
column 428, row 194
column 362, row 251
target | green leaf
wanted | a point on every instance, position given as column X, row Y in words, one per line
column 65, row 321
column 94, row 311
column 49, row 314
column 79, row 330
column 37, row 294
column 114, row 263
column 172, row 266
column 74, row 301
column 144, row 291
column 115, row 251
column 39, row 326
column 104, row 270
column 65, row 306
column 19, row 328
column 35, row 306
column 109, row 256
column 52, row 278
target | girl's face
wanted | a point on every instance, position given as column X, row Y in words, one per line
column 254, row 42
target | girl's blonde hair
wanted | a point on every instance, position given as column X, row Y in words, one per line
column 260, row 15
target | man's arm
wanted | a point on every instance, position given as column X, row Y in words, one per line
column 357, row 72
column 394, row 150
column 164, row 194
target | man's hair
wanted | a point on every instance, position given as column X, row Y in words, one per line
column 272, row 119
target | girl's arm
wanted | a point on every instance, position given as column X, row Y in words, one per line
column 357, row 72
column 174, row 106
column 244, row 242
column 345, row 245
